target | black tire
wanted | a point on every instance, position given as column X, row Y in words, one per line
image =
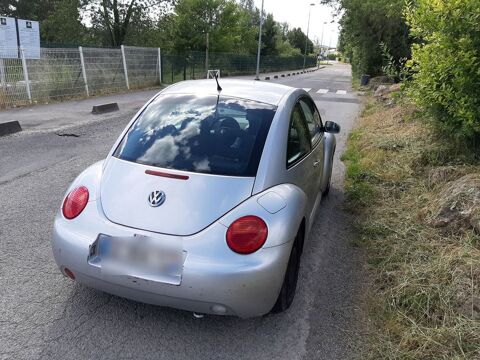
column 289, row 286
column 327, row 189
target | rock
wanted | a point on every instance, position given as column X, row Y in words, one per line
column 395, row 87
column 440, row 175
column 381, row 90
column 471, row 308
column 458, row 205
column 380, row 80
column 390, row 103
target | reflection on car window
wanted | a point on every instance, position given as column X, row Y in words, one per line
column 313, row 119
column 298, row 137
column 207, row 134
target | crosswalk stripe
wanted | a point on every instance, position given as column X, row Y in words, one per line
column 307, row 89
column 341, row 92
column 322, row 91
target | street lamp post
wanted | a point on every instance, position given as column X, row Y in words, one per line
column 321, row 42
column 306, row 39
column 259, row 43
column 329, row 46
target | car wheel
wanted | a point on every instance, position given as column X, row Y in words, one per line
column 327, row 189
column 289, row 286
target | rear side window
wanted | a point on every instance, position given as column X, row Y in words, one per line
column 313, row 119
column 299, row 143
column 205, row 134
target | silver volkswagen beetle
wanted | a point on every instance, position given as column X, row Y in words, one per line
column 205, row 201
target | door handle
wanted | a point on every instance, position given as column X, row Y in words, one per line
column 316, row 163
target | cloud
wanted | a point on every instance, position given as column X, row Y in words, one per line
column 202, row 165
column 162, row 151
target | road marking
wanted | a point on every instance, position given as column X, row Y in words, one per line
column 322, row 91
column 341, row 92
column 307, row 89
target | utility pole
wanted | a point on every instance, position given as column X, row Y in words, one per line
column 321, row 42
column 259, row 43
column 306, row 39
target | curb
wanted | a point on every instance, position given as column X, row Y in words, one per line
column 10, row 127
column 105, row 108
column 294, row 73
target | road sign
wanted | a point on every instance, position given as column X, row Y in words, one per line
column 8, row 38
column 29, row 34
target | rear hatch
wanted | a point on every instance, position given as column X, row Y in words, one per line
column 213, row 140
column 190, row 205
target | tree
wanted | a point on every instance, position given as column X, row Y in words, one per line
column 297, row 38
column 64, row 26
column 59, row 19
column 114, row 17
column 269, row 36
column 225, row 21
column 366, row 25
column 37, row 10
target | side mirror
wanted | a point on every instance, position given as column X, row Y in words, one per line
column 331, row 127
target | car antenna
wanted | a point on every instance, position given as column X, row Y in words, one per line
column 219, row 88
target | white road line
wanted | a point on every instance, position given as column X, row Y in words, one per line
column 307, row 89
column 341, row 92
column 322, row 91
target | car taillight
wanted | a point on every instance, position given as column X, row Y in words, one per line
column 75, row 202
column 247, row 234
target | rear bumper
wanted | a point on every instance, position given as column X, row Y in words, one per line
column 215, row 280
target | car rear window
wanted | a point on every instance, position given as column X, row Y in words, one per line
column 206, row 134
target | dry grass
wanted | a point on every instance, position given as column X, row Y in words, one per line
column 426, row 290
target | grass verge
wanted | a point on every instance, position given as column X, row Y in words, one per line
column 425, row 300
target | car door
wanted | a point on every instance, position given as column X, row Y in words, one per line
column 313, row 120
column 300, row 160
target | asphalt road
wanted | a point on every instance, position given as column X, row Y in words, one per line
column 44, row 315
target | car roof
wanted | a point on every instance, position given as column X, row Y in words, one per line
column 261, row 91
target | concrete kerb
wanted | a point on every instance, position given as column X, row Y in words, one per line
column 10, row 127
column 293, row 73
column 105, row 108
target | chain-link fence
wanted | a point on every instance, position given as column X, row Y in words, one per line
column 64, row 73
column 192, row 65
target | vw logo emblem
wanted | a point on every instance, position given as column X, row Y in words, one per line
column 156, row 198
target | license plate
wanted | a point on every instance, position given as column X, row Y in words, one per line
column 157, row 259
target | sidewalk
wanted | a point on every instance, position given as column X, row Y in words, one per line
column 47, row 117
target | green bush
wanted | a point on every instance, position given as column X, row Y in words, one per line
column 446, row 63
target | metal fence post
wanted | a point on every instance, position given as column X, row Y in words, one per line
column 2, row 74
column 160, row 65
column 125, row 67
column 25, row 74
column 185, row 68
column 84, row 72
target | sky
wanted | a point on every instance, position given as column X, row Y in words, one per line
column 295, row 12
